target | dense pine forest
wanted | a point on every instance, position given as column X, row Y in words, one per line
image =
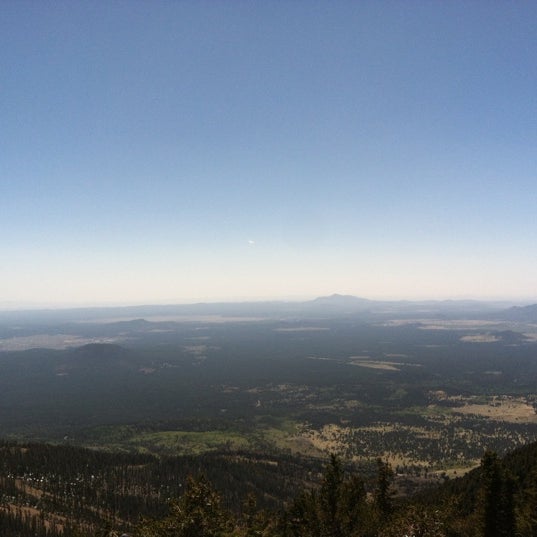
column 48, row 491
column 49, row 488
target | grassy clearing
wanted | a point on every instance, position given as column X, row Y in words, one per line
column 386, row 366
column 189, row 443
column 268, row 433
column 509, row 410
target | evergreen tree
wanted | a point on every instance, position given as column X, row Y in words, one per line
column 353, row 510
column 337, row 509
column 198, row 513
column 329, row 499
column 527, row 513
column 254, row 521
column 496, row 506
column 383, row 492
column 302, row 518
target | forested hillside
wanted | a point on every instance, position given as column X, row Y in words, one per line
column 48, row 491
column 52, row 489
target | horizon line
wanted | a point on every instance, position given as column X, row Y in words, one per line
column 13, row 306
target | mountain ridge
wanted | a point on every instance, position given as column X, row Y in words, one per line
column 332, row 304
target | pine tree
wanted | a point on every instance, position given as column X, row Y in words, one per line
column 337, row 509
column 198, row 513
column 354, row 511
column 527, row 514
column 329, row 498
column 496, row 506
column 383, row 493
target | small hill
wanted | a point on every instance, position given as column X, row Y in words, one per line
column 99, row 354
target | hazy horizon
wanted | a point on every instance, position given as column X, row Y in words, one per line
column 179, row 152
column 21, row 306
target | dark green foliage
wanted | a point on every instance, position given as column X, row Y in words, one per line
column 353, row 510
column 198, row 513
column 383, row 493
column 496, row 506
column 329, row 499
column 527, row 512
column 95, row 489
column 254, row 522
column 302, row 518
column 497, row 499
column 88, row 493
column 418, row 521
column 337, row 509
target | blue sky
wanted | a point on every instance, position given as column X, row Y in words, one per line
column 185, row 151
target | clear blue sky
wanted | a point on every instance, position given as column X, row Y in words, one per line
column 183, row 151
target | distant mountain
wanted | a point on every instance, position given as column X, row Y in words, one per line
column 136, row 317
column 339, row 303
column 341, row 300
column 526, row 314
